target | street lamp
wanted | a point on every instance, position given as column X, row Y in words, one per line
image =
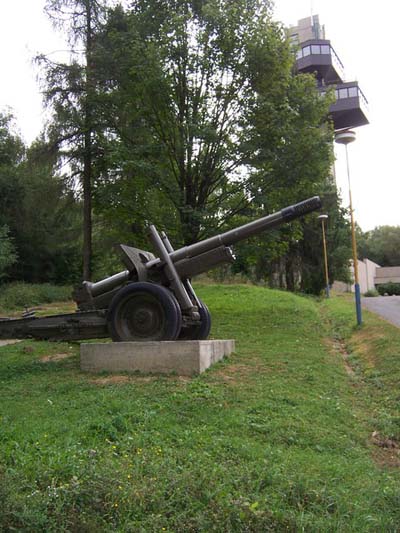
column 323, row 218
column 347, row 137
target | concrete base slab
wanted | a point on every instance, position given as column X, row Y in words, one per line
column 185, row 358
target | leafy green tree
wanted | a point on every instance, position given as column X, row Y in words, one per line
column 293, row 162
column 184, row 82
column 12, row 152
column 37, row 212
column 381, row 245
column 47, row 225
column 8, row 254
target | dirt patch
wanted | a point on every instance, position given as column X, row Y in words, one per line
column 384, row 442
column 55, row 357
column 110, row 380
column 387, row 451
column 235, row 374
column 338, row 346
column 386, row 459
column 183, row 379
column 121, row 379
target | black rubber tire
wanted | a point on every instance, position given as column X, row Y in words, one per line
column 200, row 332
column 144, row 312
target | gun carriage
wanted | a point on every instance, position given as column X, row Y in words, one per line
column 152, row 299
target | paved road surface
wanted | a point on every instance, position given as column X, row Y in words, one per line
column 387, row 307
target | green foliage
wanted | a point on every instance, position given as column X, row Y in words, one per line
column 12, row 151
column 292, row 256
column 11, row 146
column 47, row 232
column 205, row 107
column 272, row 439
column 8, row 254
column 381, row 245
column 39, row 210
column 293, row 162
column 389, row 288
column 338, row 244
column 20, row 295
column 371, row 293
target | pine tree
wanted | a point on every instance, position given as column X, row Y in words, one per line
column 70, row 92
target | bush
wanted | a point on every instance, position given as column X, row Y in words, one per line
column 371, row 293
column 15, row 295
column 8, row 254
column 389, row 288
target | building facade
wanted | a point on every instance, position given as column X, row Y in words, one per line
column 316, row 55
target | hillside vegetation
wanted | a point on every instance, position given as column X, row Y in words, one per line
column 296, row 431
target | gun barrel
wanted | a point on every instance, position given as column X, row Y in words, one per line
column 247, row 230
column 196, row 258
column 107, row 284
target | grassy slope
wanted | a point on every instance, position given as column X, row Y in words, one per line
column 373, row 353
column 276, row 438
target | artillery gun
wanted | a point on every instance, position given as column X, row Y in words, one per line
column 152, row 299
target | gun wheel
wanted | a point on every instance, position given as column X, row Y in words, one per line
column 144, row 312
column 201, row 331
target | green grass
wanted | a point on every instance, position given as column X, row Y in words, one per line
column 23, row 295
column 275, row 438
column 374, row 355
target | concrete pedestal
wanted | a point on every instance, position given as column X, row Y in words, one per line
column 184, row 358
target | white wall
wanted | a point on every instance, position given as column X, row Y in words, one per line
column 366, row 275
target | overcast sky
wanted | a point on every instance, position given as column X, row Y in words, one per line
column 364, row 37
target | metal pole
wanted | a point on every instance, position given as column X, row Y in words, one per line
column 354, row 247
column 325, row 259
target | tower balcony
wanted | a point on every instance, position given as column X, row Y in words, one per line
column 350, row 109
column 318, row 57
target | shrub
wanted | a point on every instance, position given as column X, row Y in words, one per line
column 389, row 288
column 15, row 295
column 371, row 293
column 8, row 254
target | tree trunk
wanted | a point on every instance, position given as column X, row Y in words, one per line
column 87, row 208
column 87, row 156
column 289, row 273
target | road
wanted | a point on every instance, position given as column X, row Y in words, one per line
column 387, row 307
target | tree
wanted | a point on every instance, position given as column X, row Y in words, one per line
column 37, row 212
column 293, row 162
column 46, row 232
column 12, row 153
column 381, row 245
column 189, row 77
column 188, row 113
column 8, row 254
column 338, row 242
column 70, row 90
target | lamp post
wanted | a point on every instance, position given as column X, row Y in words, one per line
column 323, row 218
column 347, row 137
